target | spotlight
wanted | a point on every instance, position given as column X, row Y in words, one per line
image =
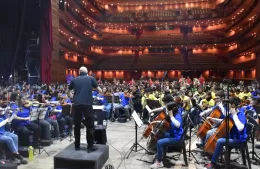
column 61, row 5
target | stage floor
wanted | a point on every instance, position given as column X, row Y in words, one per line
column 120, row 138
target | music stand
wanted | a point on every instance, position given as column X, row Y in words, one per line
column 153, row 104
column 39, row 114
column 116, row 99
column 109, row 99
column 139, row 123
column 255, row 127
column 66, row 110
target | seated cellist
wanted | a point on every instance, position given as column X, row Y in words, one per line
column 220, row 95
column 237, row 134
column 174, row 133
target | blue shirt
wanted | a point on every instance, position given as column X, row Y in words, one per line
column 234, row 132
column 25, row 112
column 32, row 96
column 59, row 107
column 2, row 129
column 249, row 108
column 174, row 131
column 124, row 100
column 103, row 100
column 94, row 93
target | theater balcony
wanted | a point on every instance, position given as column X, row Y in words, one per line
column 183, row 35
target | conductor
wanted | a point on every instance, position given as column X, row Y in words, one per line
column 82, row 86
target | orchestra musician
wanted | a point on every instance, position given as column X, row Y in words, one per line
column 173, row 135
column 136, row 99
column 53, row 122
column 124, row 98
column 104, row 101
column 22, row 124
column 10, row 139
column 238, row 133
column 146, row 96
column 220, row 95
column 45, row 125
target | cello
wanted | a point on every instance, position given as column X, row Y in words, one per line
column 219, row 133
column 207, row 125
column 156, row 130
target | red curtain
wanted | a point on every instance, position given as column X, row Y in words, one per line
column 46, row 41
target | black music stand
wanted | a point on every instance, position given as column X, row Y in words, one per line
column 111, row 100
column 139, row 123
column 227, row 160
column 153, row 104
column 67, row 111
column 256, row 126
column 116, row 99
column 39, row 114
column 190, row 126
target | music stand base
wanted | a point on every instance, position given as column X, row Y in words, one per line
column 41, row 150
column 134, row 146
column 255, row 157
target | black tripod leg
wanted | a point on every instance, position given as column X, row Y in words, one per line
column 190, row 143
column 142, row 147
column 195, row 158
column 130, row 151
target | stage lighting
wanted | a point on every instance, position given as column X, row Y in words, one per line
column 61, row 5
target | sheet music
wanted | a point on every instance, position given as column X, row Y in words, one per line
column 43, row 112
column 98, row 107
column 137, row 119
column 34, row 114
column 38, row 113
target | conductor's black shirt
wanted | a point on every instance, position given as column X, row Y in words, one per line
column 83, row 85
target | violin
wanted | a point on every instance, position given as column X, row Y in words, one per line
column 127, row 95
column 107, row 94
column 27, row 103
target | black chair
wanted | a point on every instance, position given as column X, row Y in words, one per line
column 181, row 144
column 243, row 147
column 100, row 116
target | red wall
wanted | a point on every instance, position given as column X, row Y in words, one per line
column 172, row 74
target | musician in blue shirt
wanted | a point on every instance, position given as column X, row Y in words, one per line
column 45, row 125
column 65, row 116
column 22, row 125
column 53, row 122
column 220, row 95
column 238, row 134
column 103, row 100
column 10, row 139
column 171, row 137
column 125, row 99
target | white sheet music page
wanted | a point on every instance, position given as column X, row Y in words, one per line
column 137, row 119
